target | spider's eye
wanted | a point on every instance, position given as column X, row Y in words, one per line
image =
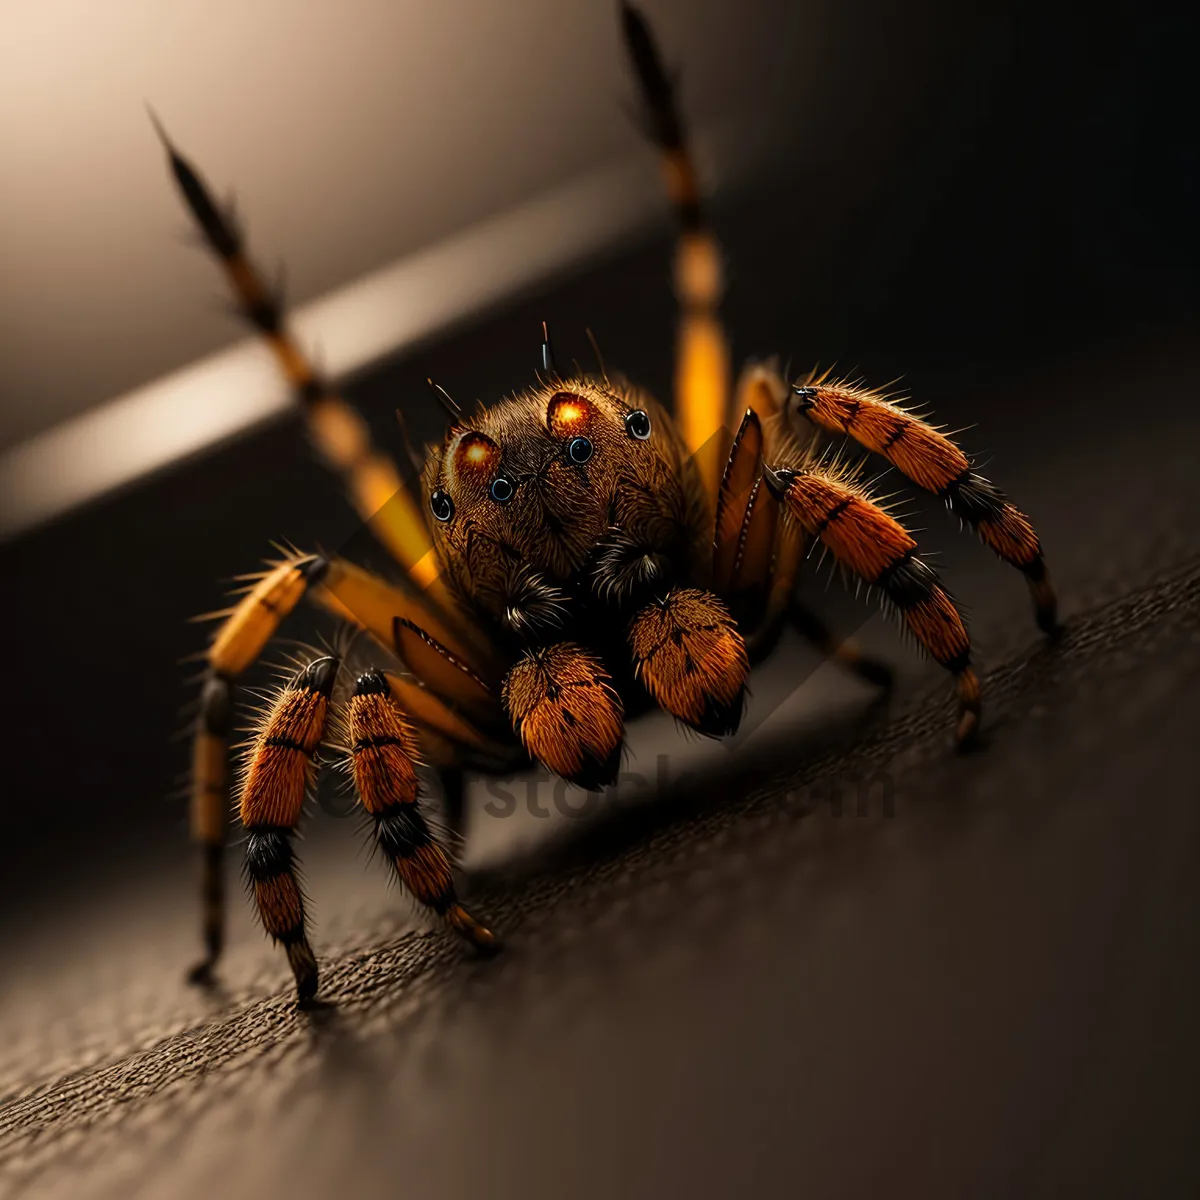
column 637, row 425
column 442, row 505
column 502, row 489
column 579, row 450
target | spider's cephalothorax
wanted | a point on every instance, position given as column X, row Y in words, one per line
column 577, row 553
column 578, row 489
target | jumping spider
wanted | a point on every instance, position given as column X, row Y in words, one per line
column 577, row 551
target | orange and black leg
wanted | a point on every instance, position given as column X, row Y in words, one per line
column 564, row 708
column 383, row 749
column 755, row 557
column 279, row 771
column 689, row 656
column 876, row 548
column 702, row 351
column 340, row 435
column 932, row 461
column 237, row 645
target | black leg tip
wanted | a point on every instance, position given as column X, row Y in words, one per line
column 1049, row 623
column 314, row 568
column 371, row 683
column 318, row 676
column 966, row 732
column 306, row 990
column 203, row 973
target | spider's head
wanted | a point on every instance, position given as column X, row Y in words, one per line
column 535, row 481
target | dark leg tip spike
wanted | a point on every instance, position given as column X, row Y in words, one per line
column 318, row 676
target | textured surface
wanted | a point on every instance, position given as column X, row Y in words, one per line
column 980, row 977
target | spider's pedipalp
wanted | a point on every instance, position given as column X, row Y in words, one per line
column 565, row 711
column 690, row 657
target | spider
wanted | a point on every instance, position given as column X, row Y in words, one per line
column 578, row 553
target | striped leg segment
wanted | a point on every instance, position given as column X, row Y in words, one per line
column 933, row 462
column 383, row 762
column 209, row 812
column 339, row 433
column 702, row 354
column 279, row 770
column 237, row 644
column 878, row 549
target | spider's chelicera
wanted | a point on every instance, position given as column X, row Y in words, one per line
column 579, row 552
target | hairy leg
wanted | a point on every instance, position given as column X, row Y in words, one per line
column 279, row 770
column 702, row 352
column 338, row 432
column 383, row 761
column 876, row 548
column 237, row 644
column 924, row 454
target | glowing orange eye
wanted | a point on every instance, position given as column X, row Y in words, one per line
column 568, row 414
column 477, row 455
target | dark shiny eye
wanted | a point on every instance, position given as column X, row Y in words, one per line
column 442, row 505
column 637, row 425
column 579, row 450
column 502, row 489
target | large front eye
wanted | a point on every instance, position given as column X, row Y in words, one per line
column 637, row 425
column 442, row 505
column 579, row 450
column 502, row 489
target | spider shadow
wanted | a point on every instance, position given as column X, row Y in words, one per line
column 799, row 770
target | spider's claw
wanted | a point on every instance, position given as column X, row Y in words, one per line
column 304, row 966
column 1045, row 607
column 483, row 939
column 966, row 732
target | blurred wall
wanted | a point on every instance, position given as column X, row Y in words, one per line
column 353, row 132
